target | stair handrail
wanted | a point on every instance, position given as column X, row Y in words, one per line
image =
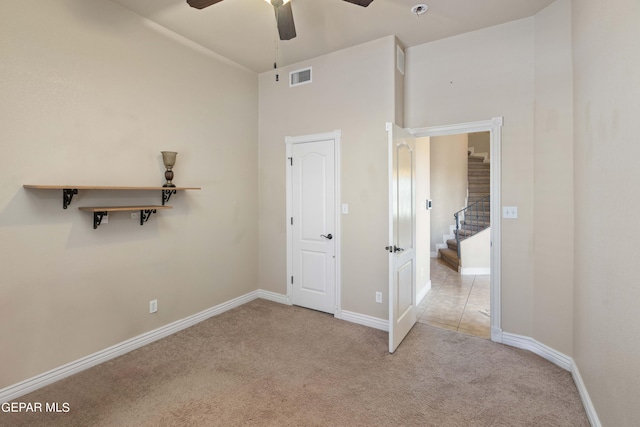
column 470, row 210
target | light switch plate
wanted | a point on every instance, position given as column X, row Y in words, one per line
column 510, row 212
column 345, row 208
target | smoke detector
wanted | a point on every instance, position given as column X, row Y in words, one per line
column 419, row 9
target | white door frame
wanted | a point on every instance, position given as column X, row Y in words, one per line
column 494, row 126
column 289, row 141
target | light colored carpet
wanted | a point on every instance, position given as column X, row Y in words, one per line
column 269, row 364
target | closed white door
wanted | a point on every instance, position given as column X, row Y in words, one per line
column 402, row 235
column 313, row 225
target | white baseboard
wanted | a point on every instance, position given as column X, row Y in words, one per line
column 423, row 292
column 27, row 386
column 470, row 271
column 584, row 395
column 433, row 254
column 538, row 348
column 273, row 296
column 560, row 359
column 363, row 319
column 496, row 334
column 348, row 316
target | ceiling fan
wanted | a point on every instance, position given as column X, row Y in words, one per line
column 284, row 16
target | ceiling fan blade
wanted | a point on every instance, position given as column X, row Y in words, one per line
column 363, row 3
column 201, row 4
column 284, row 19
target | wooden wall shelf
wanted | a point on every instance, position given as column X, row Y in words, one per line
column 100, row 211
column 68, row 191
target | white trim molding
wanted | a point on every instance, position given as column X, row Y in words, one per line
column 542, row 350
column 423, row 293
column 560, row 359
column 471, row 271
column 347, row 316
column 584, row 395
column 273, row 296
column 363, row 319
column 27, row 386
column 494, row 126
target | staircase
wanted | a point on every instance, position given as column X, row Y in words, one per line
column 476, row 216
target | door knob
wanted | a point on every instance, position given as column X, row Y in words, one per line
column 397, row 249
column 328, row 236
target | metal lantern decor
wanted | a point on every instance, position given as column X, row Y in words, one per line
column 169, row 160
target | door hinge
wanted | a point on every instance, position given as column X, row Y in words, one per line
column 291, row 161
column 292, row 280
column 291, row 220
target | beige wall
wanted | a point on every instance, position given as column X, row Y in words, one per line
column 90, row 95
column 606, row 110
column 553, row 179
column 353, row 91
column 480, row 142
column 448, row 183
column 442, row 89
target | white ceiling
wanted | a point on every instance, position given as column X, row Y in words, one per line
column 245, row 30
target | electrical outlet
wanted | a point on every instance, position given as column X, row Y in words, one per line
column 379, row 297
column 153, row 306
column 135, row 215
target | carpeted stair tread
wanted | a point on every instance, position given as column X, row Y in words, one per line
column 473, row 224
column 478, row 168
column 475, row 159
column 478, row 165
column 450, row 257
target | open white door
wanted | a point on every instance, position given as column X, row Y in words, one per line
column 402, row 245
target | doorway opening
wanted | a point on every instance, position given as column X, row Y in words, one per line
column 459, row 244
column 459, row 290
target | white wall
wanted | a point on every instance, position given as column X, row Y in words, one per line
column 449, row 183
column 91, row 94
column 423, row 215
column 352, row 91
column 475, row 253
column 441, row 88
column 606, row 173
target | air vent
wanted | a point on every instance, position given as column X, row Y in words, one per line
column 300, row 77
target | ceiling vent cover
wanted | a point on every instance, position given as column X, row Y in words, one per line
column 300, row 77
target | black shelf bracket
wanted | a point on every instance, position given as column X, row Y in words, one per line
column 97, row 218
column 67, row 196
column 145, row 214
column 166, row 195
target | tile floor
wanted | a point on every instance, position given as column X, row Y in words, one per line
column 459, row 303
